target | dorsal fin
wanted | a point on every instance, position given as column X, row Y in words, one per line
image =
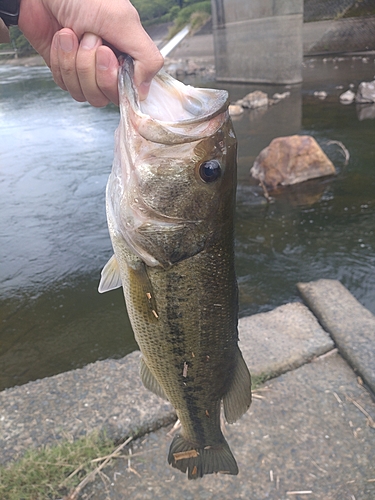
column 110, row 276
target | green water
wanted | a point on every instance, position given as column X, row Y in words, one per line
column 55, row 158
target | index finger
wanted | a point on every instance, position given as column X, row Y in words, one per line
column 131, row 38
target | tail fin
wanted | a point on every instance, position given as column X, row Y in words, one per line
column 200, row 461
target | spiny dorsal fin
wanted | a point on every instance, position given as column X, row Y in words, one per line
column 150, row 382
column 238, row 398
column 110, row 276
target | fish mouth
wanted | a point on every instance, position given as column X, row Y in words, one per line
column 166, row 130
column 173, row 113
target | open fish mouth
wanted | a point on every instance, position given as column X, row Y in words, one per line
column 161, row 143
column 173, row 113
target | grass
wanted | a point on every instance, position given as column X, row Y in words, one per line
column 196, row 15
column 258, row 380
column 53, row 471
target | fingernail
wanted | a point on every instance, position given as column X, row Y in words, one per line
column 102, row 60
column 143, row 90
column 89, row 41
column 66, row 42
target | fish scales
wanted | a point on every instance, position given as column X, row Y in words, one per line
column 170, row 210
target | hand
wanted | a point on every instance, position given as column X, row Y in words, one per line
column 69, row 36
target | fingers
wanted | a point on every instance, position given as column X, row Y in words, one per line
column 121, row 27
column 106, row 73
column 86, row 69
column 62, row 58
column 144, row 72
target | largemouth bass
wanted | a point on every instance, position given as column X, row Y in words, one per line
column 170, row 209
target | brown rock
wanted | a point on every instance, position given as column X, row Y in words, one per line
column 289, row 160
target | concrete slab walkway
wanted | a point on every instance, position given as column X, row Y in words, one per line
column 109, row 395
column 310, row 432
column 350, row 324
column 304, row 435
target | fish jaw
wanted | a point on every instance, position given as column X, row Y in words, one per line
column 157, row 201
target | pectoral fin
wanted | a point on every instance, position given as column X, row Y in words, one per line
column 238, row 398
column 150, row 382
column 110, row 276
column 138, row 273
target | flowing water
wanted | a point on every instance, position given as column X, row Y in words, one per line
column 55, row 158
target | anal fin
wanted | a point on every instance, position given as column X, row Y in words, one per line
column 237, row 400
column 150, row 382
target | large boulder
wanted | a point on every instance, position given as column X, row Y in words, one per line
column 366, row 92
column 289, row 160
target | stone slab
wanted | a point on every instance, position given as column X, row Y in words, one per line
column 305, row 435
column 281, row 340
column 350, row 324
column 106, row 395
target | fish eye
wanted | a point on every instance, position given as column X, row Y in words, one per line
column 210, row 170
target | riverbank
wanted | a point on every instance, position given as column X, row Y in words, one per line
column 35, row 60
column 312, row 422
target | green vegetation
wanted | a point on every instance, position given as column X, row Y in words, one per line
column 18, row 42
column 161, row 11
column 258, row 380
column 196, row 14
column 361, row 8
column 53, row 471
column 182, row 12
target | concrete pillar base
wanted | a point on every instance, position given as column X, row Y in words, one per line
column 258, row 41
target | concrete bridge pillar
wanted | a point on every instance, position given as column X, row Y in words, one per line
column 258, row 40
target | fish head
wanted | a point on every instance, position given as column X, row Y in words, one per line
column 173, row 181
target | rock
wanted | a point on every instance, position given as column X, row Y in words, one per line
column 278, row 96
column 256, row 99
column 320, row 94
column 366, row 92
column 289, row 160
column 366, row 112
column 235, row 110
column 347, row 97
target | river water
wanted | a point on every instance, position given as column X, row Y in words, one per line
column 55, row 158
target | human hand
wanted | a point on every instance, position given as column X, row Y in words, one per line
column 69, row 35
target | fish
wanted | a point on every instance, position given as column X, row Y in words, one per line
column 170, row 203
